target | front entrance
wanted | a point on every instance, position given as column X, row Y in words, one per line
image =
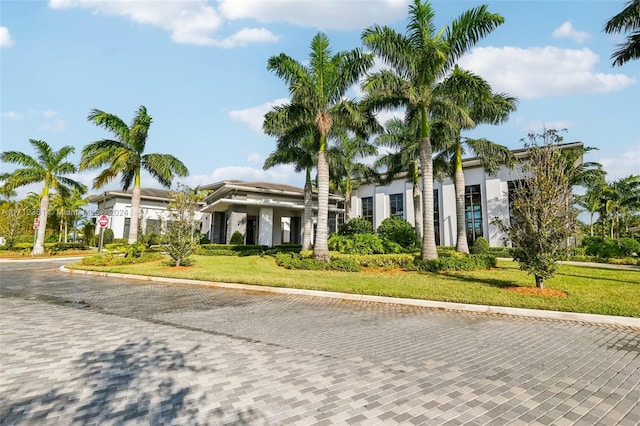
column 251, row 230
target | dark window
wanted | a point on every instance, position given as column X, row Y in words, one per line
column 153, row 225
column 512, row 185
column 332, row 223
column 436, row 216
column 473, row 212
column 127, row 227
column 367, row 209
column 396, row 204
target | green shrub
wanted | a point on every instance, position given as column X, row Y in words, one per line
column 356, row 244
column 58, row 247
column 357, row 225
column 295, row 261
column 480, row 246
column 453, row 263
column 343, row 264
column 153, row 239
column 399, row 231
column 136, row 249
column 237, row 238
column 107, row 236
column 110, row 259
column 374, row 261
column 629, row 246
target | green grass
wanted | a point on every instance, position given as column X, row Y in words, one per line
column 589, row 290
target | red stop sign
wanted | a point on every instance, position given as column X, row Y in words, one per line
column 103, row 221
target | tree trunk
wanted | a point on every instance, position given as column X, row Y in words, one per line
column 135, row 213
column 321, row 248
column 429, row 250
column 308, row 214
column 458, row 183
column 591, row 224
column 417, row 211
column 539, row 282
column 38, row 247
column 347, row 206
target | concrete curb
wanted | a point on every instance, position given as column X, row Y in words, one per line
column 449, row 306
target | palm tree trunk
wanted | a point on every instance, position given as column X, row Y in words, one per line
column 417, row 212
column 321, row 248
column 38, row 247
column 591, row 224
column 347, row 205
column 429, row 250
column 458, row 184
column 135, row 213
column 308, row 213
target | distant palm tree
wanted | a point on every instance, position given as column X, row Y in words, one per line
column 125, row 156
column 628, row 21
column 591, row 201
column 347, row 172
column 618, row 198
column 419, row 61
column 49, row 168
column 473, row 103
column 317, row 100
column 301, row 152
column 68, row 208
column 404, row 142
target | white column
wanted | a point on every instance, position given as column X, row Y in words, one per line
column 265, row 232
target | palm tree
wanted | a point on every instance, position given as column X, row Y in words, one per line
column 346, row 171
column 420, row 60
column 68, row 211
column 49, row 167
column 618, row 198
column 403, row 140
column 302, row 153
column 125, row 156
column 474, row 103
column 628, row 21
column 317, row 100
column 591, row 201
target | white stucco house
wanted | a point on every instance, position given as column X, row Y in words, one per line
column 264, row 213
column 486, row 197
column 153, row 210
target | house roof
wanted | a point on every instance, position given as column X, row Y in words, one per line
column 145, row 194
column 276, row 187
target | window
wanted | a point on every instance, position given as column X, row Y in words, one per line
column 396, row 205
column 436, row 216
column 153, row 225
column 512, row 185
column 367, row 209
column 127, row 227
column 473, row 212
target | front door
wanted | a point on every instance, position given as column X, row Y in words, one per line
column 251, row 230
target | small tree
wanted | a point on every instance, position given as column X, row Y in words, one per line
column 181, row 225
column 543, row 212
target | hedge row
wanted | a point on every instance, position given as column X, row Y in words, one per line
column 113, row 260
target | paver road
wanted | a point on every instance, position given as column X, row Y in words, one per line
column 80, row 350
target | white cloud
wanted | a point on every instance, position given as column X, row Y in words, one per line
column 11, row 115
column 542, row 71
column 5, row 37
column 280, row 174
column 255, row 158
column 49, row 114
column 189, row 22
column 387, row 114
column 566, row 30
column 622, row 166
column 335, row 15
column 55, row 126
column 254, row 116
column 248, row 35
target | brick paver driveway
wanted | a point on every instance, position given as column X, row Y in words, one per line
column 79, row 349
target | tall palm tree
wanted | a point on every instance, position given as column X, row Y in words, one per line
column 403, row 141
column 49, row 167
column 302, row 153
column 419, row 61
column 628, row 20
column 68, row 208
column 125, row 155
column 474, row 103
column 317, row 100
column 346, row 170
column 618, row 198
column 591, row 201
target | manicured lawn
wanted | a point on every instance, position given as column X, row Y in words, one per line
column 589, row 290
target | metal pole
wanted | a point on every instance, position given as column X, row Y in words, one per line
column 101, row 233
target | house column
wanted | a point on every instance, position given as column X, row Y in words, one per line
column 265, row 227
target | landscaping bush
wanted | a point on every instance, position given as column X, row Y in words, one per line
column 153, row 239
column 399, row 231
column 375, row 261
column 135, row 250
column 480, row 246
column 295, row 261
column 237, row 238
column 628, row 246
column 356, row 244
column 357, row 225
column 107, row 236
column 58, row 247
column 453, row 263
column 110, row 259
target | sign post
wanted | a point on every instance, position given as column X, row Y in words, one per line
column 36, row 225
column 103, row 221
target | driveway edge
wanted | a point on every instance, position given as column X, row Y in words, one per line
column 449, row 306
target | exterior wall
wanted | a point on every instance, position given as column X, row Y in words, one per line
column 236, row 221
column 493, row 190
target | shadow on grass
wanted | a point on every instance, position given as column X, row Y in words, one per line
column 133, row 383
column 492, row 282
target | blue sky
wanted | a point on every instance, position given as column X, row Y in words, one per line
column 200, row 69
